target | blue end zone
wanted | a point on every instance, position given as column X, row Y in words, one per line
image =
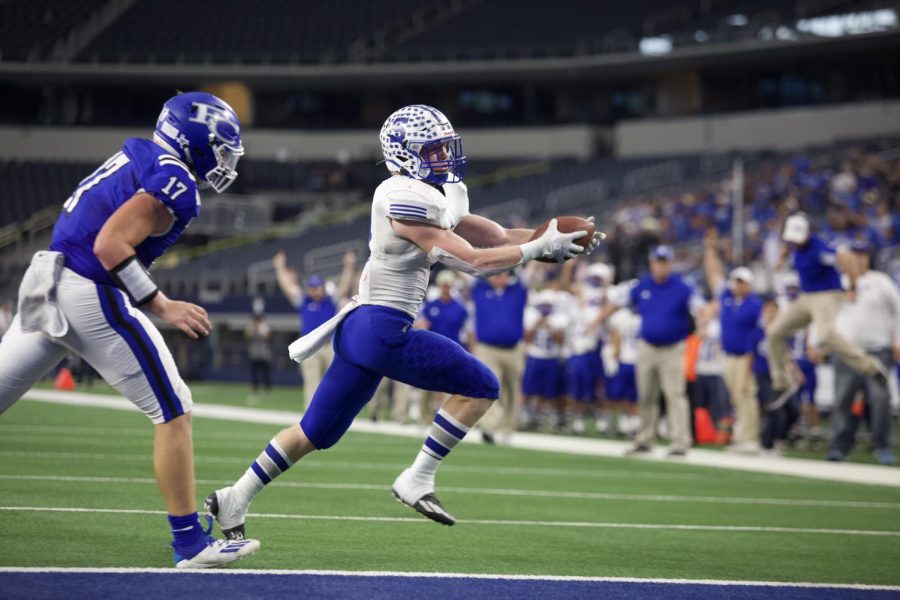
column 172, row 586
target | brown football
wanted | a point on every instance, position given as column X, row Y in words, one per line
column 568, row 225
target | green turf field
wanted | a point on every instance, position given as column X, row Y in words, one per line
column 290, row 398
column 520, row 511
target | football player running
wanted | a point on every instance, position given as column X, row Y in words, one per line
column 420, row 215
column 83, row 294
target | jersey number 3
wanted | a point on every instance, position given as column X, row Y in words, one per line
column 116, row 162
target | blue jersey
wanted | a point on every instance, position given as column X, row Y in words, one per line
column 315, row 312
column 446, row 318
column 141, row 166
column 738, row 320
column 665, row 309
column 814, row 263
column 757, row 342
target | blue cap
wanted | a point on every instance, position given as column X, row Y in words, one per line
column 861, row 246
column 662, row 252
column 315, row 281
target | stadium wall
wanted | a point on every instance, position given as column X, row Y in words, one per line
column 774, row 130
column 87, row 143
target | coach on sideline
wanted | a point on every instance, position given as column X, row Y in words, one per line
column 499, row 328
column 820, row 300
column 872, row 322
column 664, row 302
column 739, row 312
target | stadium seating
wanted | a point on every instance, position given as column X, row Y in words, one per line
column 30, row 28
column 223, row 31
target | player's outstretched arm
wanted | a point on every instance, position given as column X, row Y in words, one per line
column 457, row 253
column 140, row 217
column 482, row 232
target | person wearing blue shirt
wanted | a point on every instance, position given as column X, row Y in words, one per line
column 445, row 315
column 314, row 308
column 819, row 302
column 500, row 303
column 739, row 312
column 86, row 294
column 664, row 302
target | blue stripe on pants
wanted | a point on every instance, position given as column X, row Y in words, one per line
column 144, row 350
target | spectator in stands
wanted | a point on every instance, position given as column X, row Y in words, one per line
column 664, row 301
column 499, row 303
column 871, row 322
column 258, row 336
column 821, row 299
column 315, row 307
column 739, row 312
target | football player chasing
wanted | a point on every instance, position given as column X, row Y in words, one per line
column 420, row 215
column 84, row 294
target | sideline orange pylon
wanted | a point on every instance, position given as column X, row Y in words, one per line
column 703, row 427
column 64, row 380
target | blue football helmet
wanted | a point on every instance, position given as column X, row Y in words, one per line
column 204, row 132
column 419, row 140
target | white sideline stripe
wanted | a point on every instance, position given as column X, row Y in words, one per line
column 367, row 466
column 499, row 522
column 556, row 494
column 425, row 574
column 795, row 467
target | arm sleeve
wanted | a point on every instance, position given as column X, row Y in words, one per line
column 171, row 183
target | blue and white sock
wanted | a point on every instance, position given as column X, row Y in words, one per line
column 445, row 433
column 189, row 538
column 270, row 464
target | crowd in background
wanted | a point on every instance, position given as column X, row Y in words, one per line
column 565, row 340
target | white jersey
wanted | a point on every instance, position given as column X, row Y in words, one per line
column 396, row 274
column 627, row 324
column 544, row 344
column 583, row 337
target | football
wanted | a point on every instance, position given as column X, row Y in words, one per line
column 568, row 225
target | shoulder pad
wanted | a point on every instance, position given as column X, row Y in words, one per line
column 412, row 200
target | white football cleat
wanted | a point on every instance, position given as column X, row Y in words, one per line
column 420, row 497
column 228, row 512
column 217, row 553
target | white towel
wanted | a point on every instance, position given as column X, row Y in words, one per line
column 38, row 309
column 307, row 345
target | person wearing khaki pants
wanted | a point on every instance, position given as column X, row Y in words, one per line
column 661, row 369
column 499, row 303
column 507, row 364
column 819, row 302
column 739, row 313
column 315, row 307
column 664, row 302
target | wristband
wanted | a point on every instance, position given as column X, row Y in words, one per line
column 531, row 250
column 131, row 276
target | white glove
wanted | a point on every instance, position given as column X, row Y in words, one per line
column 598, row 237
column 553, row 245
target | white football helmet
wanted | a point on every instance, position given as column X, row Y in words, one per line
column 598, row 275
column 419, row 140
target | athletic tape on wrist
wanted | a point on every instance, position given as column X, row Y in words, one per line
column 131, row 276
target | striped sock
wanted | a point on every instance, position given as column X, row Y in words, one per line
column 446, row 432
column 270, row 464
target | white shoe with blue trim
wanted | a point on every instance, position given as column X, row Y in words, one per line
column 217, row 553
